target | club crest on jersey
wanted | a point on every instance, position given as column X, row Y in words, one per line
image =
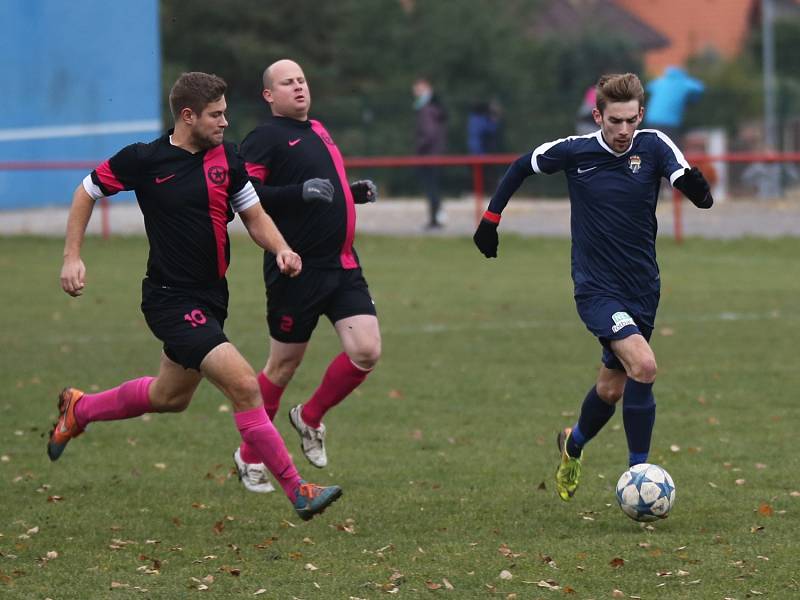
column 217, row 174
column 634, row 163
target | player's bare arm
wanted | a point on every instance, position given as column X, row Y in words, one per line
column 73, row 271
column 263, row 232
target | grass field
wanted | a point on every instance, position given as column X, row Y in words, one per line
column 446, row 453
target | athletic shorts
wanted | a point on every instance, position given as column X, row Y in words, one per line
column 188, row 321
column 610, row 318
column 294, row 304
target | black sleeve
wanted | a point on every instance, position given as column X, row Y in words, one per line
column 275, row 198
column 256, row 154
column 519, row 170
column 120, row 172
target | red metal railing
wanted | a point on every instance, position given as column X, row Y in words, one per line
column 476, row 162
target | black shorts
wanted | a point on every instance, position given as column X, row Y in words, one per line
column 294, row 304
column 188, row 321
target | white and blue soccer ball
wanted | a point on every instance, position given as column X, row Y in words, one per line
column 646, row 492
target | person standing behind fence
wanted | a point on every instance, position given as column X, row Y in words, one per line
column 188, row 183
column 430, row 138
column 669, row 96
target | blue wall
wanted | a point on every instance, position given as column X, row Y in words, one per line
column 85, row 80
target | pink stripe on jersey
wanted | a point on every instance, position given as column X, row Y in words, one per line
column 346, row 256
column 215, row 166
column 108, row 179
column 257, row 171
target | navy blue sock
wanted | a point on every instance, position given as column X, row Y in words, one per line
column 638, row 416
column 595, row 413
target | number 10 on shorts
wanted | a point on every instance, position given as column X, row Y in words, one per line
column 196, row 317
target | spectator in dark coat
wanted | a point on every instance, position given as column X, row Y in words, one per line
column 430, row 138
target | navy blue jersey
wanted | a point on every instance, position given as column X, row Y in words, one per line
column 280, row 155
column 187, row 201
column 613, row 200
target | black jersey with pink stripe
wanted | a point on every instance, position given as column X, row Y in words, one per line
column 280, row 155
column 186, row 202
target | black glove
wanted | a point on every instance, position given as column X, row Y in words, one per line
column 364, row 191
column 318, row 189
column 695, row 187
column 485, row 237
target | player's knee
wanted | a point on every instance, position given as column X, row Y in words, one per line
column 367, row 356
column 644, row 370
column 610, row 392
column 244, row 392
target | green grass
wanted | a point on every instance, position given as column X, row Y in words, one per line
column 446, row 453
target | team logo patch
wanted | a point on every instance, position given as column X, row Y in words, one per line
column 621, row 319
column 217, row 174
column 635, row 163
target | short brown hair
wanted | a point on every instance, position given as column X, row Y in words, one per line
column 618, row 88
column 195, row 90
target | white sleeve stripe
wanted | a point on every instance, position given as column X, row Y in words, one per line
column 244, row 198
column 541, row 149
column 91, row 188
column 675, row 150
column 675, row 175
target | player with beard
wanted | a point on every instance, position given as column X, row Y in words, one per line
column 188, row 184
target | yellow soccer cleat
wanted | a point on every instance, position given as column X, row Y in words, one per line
column 568, row 473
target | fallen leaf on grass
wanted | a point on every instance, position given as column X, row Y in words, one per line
column 160, row 466
column 447, row 584
column 431, row 585
column 617, row 562
column 310, row 567
column 505, row 575
column 765, row 509
column 617, row 594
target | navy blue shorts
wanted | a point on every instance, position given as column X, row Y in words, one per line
column 295, row 304
column 610, row 318
column 188, row 321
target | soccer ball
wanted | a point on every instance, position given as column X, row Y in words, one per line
column 646, row 492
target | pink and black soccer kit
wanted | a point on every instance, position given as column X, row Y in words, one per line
column 280, row 155
column 187, row 201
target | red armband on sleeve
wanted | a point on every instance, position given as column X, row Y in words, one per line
column 491, row 217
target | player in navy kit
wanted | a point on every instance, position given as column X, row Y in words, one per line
column 188, row 184
column 613, row 176
column 299, row 175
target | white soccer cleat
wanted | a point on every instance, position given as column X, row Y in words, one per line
column 312, row 440
column 254, row 476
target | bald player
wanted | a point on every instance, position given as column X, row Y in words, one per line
column 299, row 175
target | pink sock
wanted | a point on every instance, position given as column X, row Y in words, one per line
column 260, row 434
column 123, row 402
column 271, row 395
column 341, row 378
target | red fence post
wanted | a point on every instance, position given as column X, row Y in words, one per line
column 477, row 187
column 677, row 222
